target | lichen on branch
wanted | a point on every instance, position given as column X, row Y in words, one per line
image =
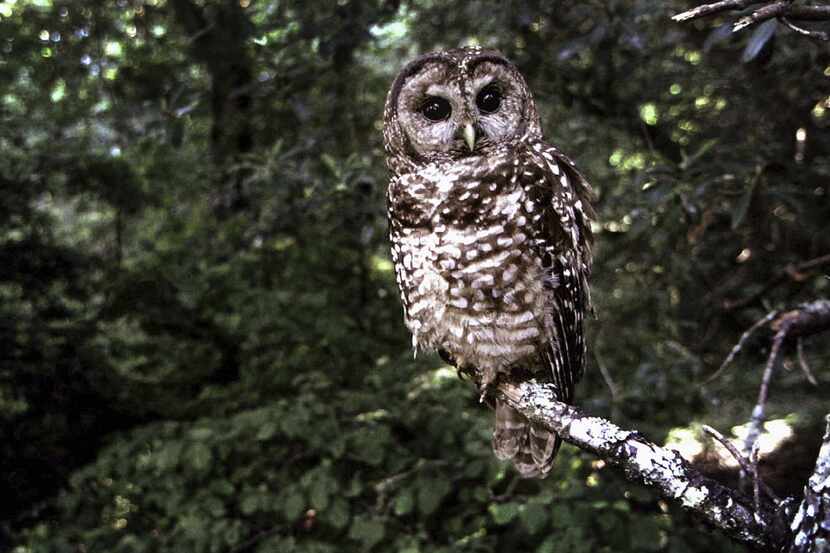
column 657, row 467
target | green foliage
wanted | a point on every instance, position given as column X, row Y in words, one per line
column 202, row 342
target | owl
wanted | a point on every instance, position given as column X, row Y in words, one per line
column 490, row 233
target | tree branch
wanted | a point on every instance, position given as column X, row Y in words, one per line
column 784, row 10
column 775, row 9
column 812, row 33
column 797, row 272
column 747, row 465
column 714, row 7
column 803, row 13
column 740, row 345
column 756, row 422
column 805, row 320
column 811, row 524
column 659, row 468
column 758, row 521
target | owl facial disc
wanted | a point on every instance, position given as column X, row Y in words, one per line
column 458, row 104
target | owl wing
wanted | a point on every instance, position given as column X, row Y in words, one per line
column 563, row 238
column 408, row 202
column 558, row 210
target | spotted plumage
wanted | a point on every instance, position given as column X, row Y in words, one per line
column 490, row 234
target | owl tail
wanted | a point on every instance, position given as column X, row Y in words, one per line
column 531, row 447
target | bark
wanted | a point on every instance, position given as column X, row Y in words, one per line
column 811, row 525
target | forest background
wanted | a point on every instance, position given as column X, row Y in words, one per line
column 202, row 342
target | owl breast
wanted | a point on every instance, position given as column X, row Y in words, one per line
column 471, row 282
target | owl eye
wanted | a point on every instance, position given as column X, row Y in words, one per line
column 489, row 99
column 436, row 108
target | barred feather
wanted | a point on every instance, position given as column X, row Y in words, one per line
column 531, row 448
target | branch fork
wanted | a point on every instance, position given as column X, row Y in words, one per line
column 786, row 11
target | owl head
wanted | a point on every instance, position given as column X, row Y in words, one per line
column 455, row 104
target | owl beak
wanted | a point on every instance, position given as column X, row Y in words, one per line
column 470, row 136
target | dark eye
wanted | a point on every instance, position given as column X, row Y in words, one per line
column 489, row 99
column 436, row 109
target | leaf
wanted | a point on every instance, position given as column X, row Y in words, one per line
column 646, row 535
column 570, row 540
column 760, row 36
column 404, row 502
column 233, row 533
column 193, row 525
column 201, row 434
column 503, row 513
column 214, row 506
column 320, row 492
column 474, row 469
column 266, row 431
column 367, row 531
column 562, row 516
column 279, row 543
column 249, row 504
column 370, row 447
column 534, row 516
column 223, row 487
column 337, row 514
column 705, row 147
column 718, row 35
column 200, row 456
column 742, row 207
column 296, row 422
column 293, row 506
column 330, row 163
column 168, row 457
column 481, row 494
column 355, row 487
column 582, row 43
column 430, row 494
column 606, row 520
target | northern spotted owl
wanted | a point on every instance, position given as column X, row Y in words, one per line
column 490, row 234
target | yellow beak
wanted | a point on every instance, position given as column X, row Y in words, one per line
column 470, row 136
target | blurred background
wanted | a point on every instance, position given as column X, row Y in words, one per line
column 201, row 341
